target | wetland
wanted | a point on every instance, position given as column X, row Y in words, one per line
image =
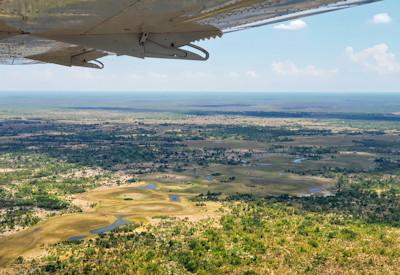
column 182, row 188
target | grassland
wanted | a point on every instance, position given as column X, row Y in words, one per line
column 102, row 207
column 202, row 193
column 250, row 238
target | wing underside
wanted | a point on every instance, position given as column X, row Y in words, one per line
column 78, row 33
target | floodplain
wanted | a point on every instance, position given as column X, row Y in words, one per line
column 104, row 206
column 229, row 185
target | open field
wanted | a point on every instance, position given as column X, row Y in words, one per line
column 133, row 203
column 207, row 187
column 258, row 181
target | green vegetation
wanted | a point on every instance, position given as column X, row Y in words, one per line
column 257, row 237
column 369, row 199
column 373, row 199
column 17, row 217
column 257, row 192
column 33, row 183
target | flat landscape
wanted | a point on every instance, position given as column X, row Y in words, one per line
column 183, row 185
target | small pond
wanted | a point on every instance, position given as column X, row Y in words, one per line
column 210, row 178
column 150, row 186
column 299, row 160
column 110, row 227
column 315, row 190
column 263, row 164
column 77, row 238
column 174, row 198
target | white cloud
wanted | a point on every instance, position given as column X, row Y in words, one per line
column 381, row 18
column 377, row 58
column 82, row 73
column 157, row 75
column 291, row 69
column 233, row 74
column 195, row 75
column 294, row 25
column 134, row 76
column 248, row 74
column 252, row 74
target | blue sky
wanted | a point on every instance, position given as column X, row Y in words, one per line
column 354, row 50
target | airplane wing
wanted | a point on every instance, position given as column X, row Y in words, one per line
column 79, row 32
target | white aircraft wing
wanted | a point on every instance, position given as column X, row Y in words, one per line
column 79, row 32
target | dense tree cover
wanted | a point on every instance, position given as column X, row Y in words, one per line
column 355, row 230
column 312, row 115
column 37, row 182
column 260, row 133
column 139, row 148
column 17, row 217
column 256, row 237
column 380, row 146
column 371, row 199
column 388, row 165
column 142, row 148
column 41, row 183
column 311, row 152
